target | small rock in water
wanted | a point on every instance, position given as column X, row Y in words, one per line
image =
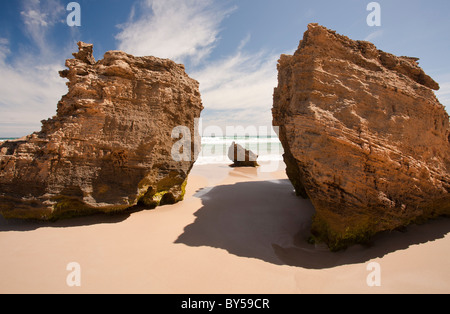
column 242, row 157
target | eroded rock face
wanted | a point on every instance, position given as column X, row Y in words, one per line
column 365, row 138
column 109, row 146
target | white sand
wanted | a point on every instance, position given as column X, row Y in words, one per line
column 239, row 230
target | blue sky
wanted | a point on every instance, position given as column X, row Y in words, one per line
column 230, row 46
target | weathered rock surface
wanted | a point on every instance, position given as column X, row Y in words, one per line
column 109, row 146
column 242, row 157
column 364, row 135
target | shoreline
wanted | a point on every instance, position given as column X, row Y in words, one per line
column 238, row 230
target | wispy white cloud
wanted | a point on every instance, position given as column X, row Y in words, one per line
column 238, row 90
column 4, row 48
column 240, row 81
column 4, row 41
column 38, row 17
column 244, row 42
column 30, row 86
column 29, row 93
column 181, row 30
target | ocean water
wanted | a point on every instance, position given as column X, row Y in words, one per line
column 2, row 139
column 215, row 149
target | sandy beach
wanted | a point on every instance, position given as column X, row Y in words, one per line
column 239, row 230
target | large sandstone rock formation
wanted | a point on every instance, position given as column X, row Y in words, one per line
column 109, row 146
column 365, row 138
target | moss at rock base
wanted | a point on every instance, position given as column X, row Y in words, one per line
column 340, row 238
column 153, row 198
column 66, row 207
column 349, row 227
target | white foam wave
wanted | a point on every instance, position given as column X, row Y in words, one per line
column 239, row 140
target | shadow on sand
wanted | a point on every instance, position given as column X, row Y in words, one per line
column 29, row 225
column 267, row 221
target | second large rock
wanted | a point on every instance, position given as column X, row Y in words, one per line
column 365, row 138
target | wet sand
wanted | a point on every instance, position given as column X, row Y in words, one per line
column 239, row 230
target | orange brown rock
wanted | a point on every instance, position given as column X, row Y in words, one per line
column 109, row 146
column 364, row 135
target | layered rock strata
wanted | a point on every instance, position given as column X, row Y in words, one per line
column 364, row 135
column 110, row 145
